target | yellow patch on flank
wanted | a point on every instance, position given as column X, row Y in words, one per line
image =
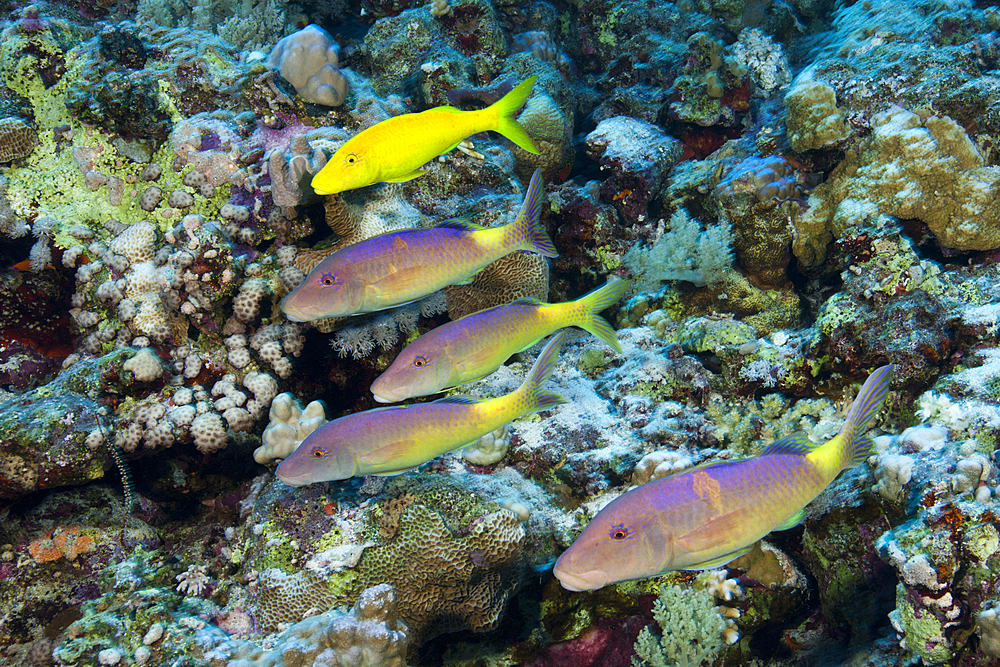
column 704, row 486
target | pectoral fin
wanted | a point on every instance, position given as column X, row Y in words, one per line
column 793, row 520
column 721, row 560
column 405, row 177
column 388, row 453
column 401, row 281
column 714, row 531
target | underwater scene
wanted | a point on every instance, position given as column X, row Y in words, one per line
column 479, row 333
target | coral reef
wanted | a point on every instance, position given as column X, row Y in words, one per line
column 801, row 192
column 309, row 59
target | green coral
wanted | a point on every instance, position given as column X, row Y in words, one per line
column 924, row 634
column 691, row 629
column 748, row 426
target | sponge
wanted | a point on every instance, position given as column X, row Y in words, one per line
column 309, row 59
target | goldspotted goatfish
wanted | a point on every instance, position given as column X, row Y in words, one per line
column 394, row 150
column 403, row 266
column 705, row 517
column 389, row 441
column 474, row 346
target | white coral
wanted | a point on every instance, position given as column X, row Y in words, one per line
column 289, row 425
column 193, row 581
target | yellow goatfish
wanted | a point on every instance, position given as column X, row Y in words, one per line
column 474, row 346
column 705, row 517
column 389, row 441
column 394, row 150
column 402, row 266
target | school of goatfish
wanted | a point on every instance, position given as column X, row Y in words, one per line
column 695, row 519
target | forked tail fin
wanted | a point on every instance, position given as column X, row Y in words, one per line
column 528, row 230
column 864, row 409
column 538, row 398
column 506, row 109
column 596, row 301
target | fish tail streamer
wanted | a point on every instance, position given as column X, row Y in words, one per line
column 599, row 299
column 528, row 231
column 864, row 409
column 538, row 398
column 506, row 109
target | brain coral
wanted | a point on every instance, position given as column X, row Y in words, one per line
column 446, row 583
column 909, row 168
column 17, row 139
column 283, row 598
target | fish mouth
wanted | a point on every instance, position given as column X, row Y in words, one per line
column 293, row 313
column 585, row 581
column 290, row 480
column 382, row 396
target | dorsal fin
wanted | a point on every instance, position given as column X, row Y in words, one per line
column 798, row 444
column 460, row 224
column 461, row 399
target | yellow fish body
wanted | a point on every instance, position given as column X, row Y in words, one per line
column 389, row 441
column 705, row 517
column 402, row 266
column 474, row 346
column 394, row 150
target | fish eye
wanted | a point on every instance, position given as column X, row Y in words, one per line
column 420, row 361
column 351, row 159
column 621, row 532
column 319, row 452
column 328, row 280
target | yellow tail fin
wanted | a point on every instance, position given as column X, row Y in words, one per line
column 596, row 301
column 506, row 109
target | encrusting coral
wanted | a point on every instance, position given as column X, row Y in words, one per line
column 370, row 635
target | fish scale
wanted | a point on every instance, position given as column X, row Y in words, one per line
column 707, row 516
column 392, row 440
column 474, row 346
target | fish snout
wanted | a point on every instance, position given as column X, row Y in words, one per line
column 292, row 312
column 291, row 479
column 384, row 393
column 573, row 580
